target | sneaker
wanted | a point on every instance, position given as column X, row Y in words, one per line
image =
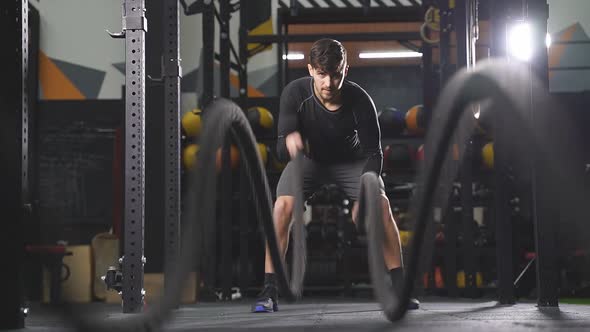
column 267, row 300
column 413, row 304
column 396, row 277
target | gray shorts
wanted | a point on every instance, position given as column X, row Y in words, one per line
column 346, row 175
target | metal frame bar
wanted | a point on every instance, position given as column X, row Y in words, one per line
column 244, row 259
column 32, row 223
column 226, row 180
column 446, row 25
column 172, row 73
column 134, row 29
column 428, row 88
column 545, row 211
column 207, row 63
column 281, row 49
column 463, row 22
column 225, row 229
column 244, row 276
column 569, row 68
column 364, row 3
column 243, row 53
column 504, row 248
column 15, row 192
column 224, row 48
column 369, row 36
column 570, row 42
column 299, row 14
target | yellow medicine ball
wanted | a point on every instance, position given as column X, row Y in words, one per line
column 260, row 118
column 191, row 123
column 189, row 156
column 461, row 279
column 487, row 155
column 263, row 150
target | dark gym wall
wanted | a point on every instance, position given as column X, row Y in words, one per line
column 400, row 87
column 75, row 168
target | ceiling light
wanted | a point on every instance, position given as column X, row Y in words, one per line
column 293, row 56
column 389, row 55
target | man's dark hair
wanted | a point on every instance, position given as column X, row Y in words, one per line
column 327, row 54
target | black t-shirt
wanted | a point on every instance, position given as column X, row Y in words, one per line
column 347, row 134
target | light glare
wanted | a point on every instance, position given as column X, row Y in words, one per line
column 519, row 42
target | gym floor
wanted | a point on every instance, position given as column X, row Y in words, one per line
column 340, row 314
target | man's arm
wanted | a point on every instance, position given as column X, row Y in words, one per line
column 370, row 137
column 288, row 138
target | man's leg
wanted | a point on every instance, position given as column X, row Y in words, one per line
column 392, row 250
column 268, row 299
column 392, row 244
column 282, row 213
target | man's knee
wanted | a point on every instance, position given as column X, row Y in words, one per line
column 283, row 211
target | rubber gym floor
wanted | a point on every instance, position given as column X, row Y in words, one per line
column 341, row 314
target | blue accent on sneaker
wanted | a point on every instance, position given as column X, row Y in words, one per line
column 265, row 305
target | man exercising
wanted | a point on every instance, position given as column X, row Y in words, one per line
column 334, row 122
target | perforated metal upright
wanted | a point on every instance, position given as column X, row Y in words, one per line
column 546, row 214
column 226, row 181
column 208, row 54
column 172, row 73
column 504, row 242
column 14, row 146
column 464, row 21
column 134, row 30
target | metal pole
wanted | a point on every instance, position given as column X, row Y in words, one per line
column 504, row 246
column 224, row 48
column 243, row 56
column 546, row 214
column 462, row 24
column 134, row 30
column 244, row 276
column 172, row 73
column 226, row 180
column 14, row 117
column 208, row 54
column 446, row 27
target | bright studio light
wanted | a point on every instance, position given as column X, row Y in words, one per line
column 293, row 56
column 548, row 40
column 388, row 55
column 519, row 42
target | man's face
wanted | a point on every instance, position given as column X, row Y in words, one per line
column 327, row 85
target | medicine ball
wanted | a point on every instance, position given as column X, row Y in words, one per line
column 415, row 119
column 263, row 150
column 189, row 156
column 191, row 123
column 391, row 121
column 234, row 157
column 260, row 118
column 487, row 155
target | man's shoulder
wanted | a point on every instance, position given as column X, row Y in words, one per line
column 302, row 84
column 353, row 87
column 355, row 91
column 297, row 91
